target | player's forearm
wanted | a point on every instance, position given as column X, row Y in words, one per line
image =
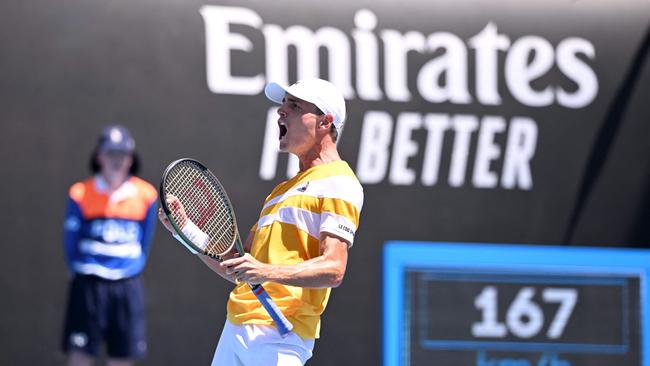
column 318, row 272
column 325, row 271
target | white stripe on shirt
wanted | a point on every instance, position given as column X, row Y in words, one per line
column 123, row 250
column 312, row 223
column 98, row 270
column 305, row 220
column 343, row 187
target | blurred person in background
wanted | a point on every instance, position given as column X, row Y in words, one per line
column 109, row 225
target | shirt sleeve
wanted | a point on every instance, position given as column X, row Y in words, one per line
column 340, row 217
column 71, row 231
column 149, row 226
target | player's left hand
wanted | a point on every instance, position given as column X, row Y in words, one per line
column 247, row 269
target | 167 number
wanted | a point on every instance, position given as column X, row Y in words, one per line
column 524, row 318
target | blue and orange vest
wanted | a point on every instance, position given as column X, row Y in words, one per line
column 108, row 235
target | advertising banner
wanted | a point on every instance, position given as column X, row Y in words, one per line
column 468, row 121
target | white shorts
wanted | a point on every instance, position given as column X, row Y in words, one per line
column 252, row 345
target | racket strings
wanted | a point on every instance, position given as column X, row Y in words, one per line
column 215, row 226
column 205, row 203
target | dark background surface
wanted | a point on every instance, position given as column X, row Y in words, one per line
column 68, row 67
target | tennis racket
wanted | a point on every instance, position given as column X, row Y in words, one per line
column 205, row 205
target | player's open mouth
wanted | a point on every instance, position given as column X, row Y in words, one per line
column 283, row 130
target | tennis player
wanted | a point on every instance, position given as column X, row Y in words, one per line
column 299, row 246
column 109, row 225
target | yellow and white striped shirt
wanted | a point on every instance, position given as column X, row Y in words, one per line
column 323, row 199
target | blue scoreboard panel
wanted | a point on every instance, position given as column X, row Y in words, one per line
column 453, row 304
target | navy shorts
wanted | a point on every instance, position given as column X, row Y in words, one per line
column 108, row 311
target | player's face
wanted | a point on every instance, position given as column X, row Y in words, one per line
column 115, row 162
column 298, row 122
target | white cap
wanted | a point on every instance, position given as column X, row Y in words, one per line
column 320, row 92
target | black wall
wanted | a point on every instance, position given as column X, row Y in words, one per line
column 68, row 67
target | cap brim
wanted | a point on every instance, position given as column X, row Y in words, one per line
column 275, row 92
column 118, row 148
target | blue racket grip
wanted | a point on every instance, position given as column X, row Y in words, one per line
column 284, row 326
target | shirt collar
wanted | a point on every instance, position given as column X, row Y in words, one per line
column 124, row 191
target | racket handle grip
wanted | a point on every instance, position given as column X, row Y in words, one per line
column 281, row 322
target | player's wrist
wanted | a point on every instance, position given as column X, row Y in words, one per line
column 195, row 235
column 273, row 273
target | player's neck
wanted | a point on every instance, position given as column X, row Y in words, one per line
column 114, row 181
column 321, row 154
